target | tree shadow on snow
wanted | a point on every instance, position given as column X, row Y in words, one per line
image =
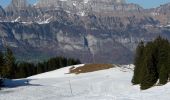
column 17, row 83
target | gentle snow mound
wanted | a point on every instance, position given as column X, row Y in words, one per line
column 63, row 72
column 110, row 84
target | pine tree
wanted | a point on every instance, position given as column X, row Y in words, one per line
column 163, row 60
column 52, row 64
column 23, row 73
column 9, row 64
column 149, row 71
column 1, row 82
column 40, row 68
column 154, row 62
column 1, row 64
column 1, row 68
column 138, row 65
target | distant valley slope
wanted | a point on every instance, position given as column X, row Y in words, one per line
column 94, row 31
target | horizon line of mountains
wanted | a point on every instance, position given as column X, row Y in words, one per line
column 94, row 31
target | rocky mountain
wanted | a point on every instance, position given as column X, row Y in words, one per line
column 2, row 12
column 94, row 31
column 162, row 13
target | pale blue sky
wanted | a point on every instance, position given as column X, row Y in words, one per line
column 143, row 3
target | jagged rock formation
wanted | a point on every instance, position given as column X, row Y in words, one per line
column 48, row 3
column 98, row 31
column 162, row 13
column 88, row 5
column 16, row 5
column 19, row 4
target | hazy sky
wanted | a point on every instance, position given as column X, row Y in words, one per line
column 143, row 3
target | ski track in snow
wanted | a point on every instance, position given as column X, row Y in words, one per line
column 110, row 84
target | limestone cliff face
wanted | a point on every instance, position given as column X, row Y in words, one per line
column 19, row 3
column 94, row 31
column 16, row 5
column 47, row 3
column 2, row 12
column 47, row 10
column 87, row 5
column 162, row 13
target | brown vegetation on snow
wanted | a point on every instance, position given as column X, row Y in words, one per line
column 90, row 68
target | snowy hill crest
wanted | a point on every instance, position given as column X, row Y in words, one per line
column 110, row 84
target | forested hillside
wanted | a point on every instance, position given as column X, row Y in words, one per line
column 12, row 69
column 152, row 63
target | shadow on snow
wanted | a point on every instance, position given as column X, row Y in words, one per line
column 18, row 82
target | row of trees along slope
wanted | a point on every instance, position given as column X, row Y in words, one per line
column 12, row 69
column 152, row 63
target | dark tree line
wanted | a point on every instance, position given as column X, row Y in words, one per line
column 152, row 63
column 25, row 69
column 12, row 69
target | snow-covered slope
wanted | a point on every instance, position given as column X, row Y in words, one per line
column 111, row 84
column 63, row 72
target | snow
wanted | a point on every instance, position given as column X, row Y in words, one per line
column 167, row 25
column 17, row 19
column 74, row 3
column 45, row 21
column 63, row 72
column 155, row 13
column 110, row 84
column 63, row 0
column 86, row 1
column 82, row 13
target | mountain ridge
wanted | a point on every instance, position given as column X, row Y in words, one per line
column 92, row 34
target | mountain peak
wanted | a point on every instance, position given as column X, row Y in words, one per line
column 19, row 3
column 120, row 1
column 47, row 3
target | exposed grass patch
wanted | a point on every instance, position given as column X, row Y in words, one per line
column 90, row 68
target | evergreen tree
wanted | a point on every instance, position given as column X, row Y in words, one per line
column 23, row 72
column 152, row 62
column 1, row 68
column 10, row 69
column 138, row 65
column 1, row 82
column 52, row 64
column 40, row 68
column 149, row 72
column 9, row 64
column 1, row 64
column 163, row 60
